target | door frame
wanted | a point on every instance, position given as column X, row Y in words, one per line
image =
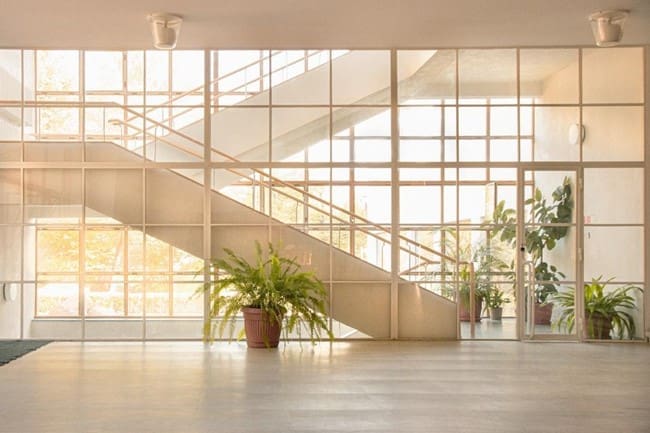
column 577, row 191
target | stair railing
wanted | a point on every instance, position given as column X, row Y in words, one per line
column 266, row 180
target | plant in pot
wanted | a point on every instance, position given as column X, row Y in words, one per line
column 605, row 313
column 487, row 263
column 270, row 291
column 495, row 300
column 550, row 226
column 464, row 293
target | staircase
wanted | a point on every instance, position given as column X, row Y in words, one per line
column 363, row 306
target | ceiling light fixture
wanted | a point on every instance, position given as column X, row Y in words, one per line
column 607, row 27
column 165, row 29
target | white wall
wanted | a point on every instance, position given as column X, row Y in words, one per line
column 10, row 315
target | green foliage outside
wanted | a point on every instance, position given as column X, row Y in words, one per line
column 541, row 237
column 604, row 311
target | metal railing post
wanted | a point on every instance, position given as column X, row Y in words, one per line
column 472, row 301
column 531, row 297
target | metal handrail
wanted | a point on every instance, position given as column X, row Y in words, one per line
column 272, row 181
column 472, row 301
column 531, row 297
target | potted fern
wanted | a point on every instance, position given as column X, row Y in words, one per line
column 495, row 299
column 605, row 313
column 270, row 292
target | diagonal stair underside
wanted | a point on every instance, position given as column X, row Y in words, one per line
column 362, row 298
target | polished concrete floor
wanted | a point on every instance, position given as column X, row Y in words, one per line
column 344, row 387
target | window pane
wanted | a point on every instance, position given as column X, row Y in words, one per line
column 503, row 150
column 488, row 74
column 614, row 252
column 185, row 302
column 105, row 298
column 163, row 191
column 295, row 129
column 58, row 71
column 434, row 81
column 549, row 76
column 472, row 150
column 297, row 81
column 419, row 150
column 240, row 75
column 157, row 294
column 103, row 70
column 10, row 196
column 611, row 75
column 613, row 133
column 613, row 196
column 57, row 298
column 361, row 77
column 373, row 203
column 420, row 121
column 503, row 121
column 10, row 75
column 473, row 120
column 243, row 134
column 420, row 204
column 10, row 121
column 11, row 240
column 57, row 251
column 157, row 72
column 187, row 72
column 52, row 195
column 114, row 196
column 552, row 141
column 105, row 250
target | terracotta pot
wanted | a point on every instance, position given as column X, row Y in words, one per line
column 543, row 314
column 261, row 330
column 464, row 313
column 496, row 313
column 599, row 327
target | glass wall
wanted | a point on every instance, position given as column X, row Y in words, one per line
column 382, row 171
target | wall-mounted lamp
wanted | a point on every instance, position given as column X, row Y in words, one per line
column 9, row 292
column 577, row 133
column 607, row 27
column 165, row 29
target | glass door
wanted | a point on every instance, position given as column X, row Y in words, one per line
column 485, row 246
column 548, row 254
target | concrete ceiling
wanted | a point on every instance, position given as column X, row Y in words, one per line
column 121, row 24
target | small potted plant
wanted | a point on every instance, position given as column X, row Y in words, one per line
column 270, row 292
column 495, row 299
column 465, row 303
column 605, row 313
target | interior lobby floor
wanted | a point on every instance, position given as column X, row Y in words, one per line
column 361, row 386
